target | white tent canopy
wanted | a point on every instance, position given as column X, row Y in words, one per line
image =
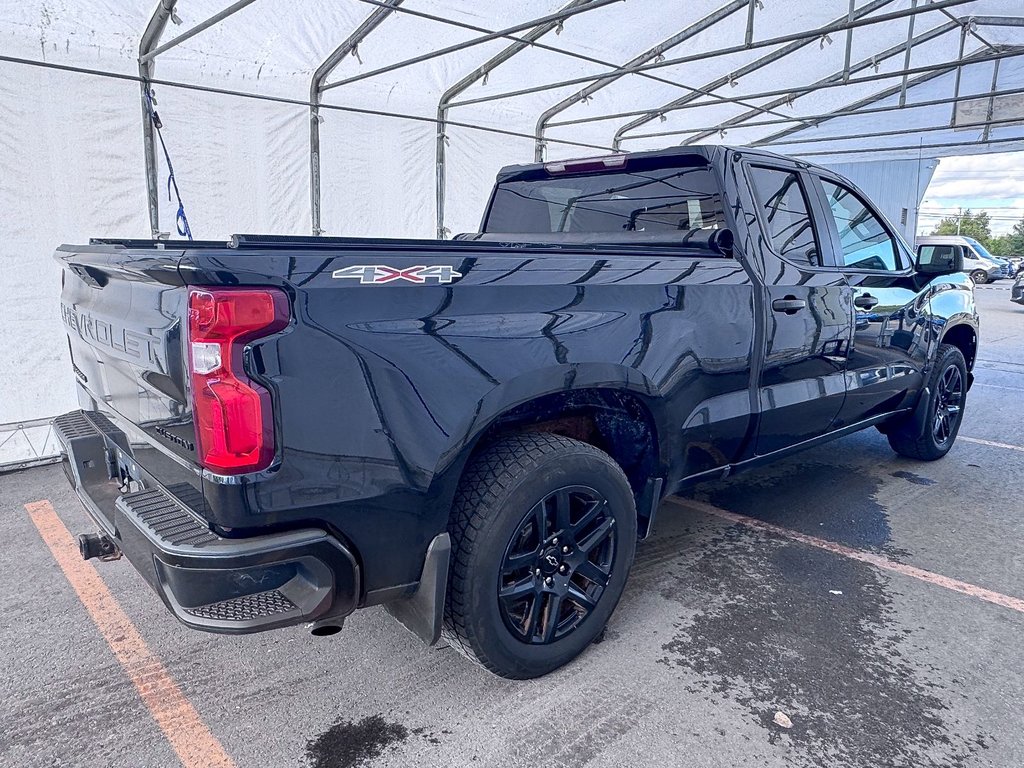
column 422, row 102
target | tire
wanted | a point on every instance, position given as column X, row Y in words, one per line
column 979, row 276
column 516, row 499
column 931, row 438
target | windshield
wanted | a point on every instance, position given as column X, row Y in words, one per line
column 979, row 248
column 660, row 200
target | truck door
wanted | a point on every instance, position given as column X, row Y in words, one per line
column 888, row 354
column 806, row 313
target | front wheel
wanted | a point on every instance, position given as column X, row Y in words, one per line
column 979, row 276
column 931, row 438
column 543, row 534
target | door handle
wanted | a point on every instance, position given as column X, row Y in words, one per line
column 865, row 301
column 790, row 305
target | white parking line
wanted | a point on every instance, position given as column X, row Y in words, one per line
column 996, row 386
column 991, row 443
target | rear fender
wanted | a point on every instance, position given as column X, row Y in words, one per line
column 523, row 389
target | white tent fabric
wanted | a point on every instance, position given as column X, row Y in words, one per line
column 71, row 146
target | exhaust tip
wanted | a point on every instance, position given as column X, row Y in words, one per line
column 325, row 628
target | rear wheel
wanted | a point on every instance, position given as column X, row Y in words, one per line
column 931, row 438
column 979, row 276
column 543, row 535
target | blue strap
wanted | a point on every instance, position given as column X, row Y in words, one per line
column 180, row 219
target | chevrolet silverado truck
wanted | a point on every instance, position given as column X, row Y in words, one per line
column 475, row 433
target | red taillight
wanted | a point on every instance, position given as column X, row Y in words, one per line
column 232, row 414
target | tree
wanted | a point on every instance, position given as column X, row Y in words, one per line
column 1015, row 240
column 976, row 225
column 1000, row 245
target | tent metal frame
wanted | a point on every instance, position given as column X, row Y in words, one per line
column 316, row 88
column 529, row 34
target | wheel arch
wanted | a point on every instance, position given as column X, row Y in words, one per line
column 614, row 408
column 965, row 338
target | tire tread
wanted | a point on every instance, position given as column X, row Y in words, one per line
column 488, row 479
column 918, row 444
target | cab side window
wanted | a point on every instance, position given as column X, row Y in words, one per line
column 865, row 242
column 787, row 214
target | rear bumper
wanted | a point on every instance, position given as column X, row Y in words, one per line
column 207, row 581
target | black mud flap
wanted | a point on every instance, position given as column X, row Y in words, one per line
column 422, row 613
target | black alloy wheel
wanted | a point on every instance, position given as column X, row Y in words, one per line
column 543, row 531
column 948, row 404
column 928, row 433
column 557, row 564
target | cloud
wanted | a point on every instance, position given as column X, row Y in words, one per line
column 992, row 183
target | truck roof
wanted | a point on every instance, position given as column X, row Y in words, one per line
column 702, row 152
column 944, row 239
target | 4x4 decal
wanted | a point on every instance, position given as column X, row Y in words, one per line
column 378, row 274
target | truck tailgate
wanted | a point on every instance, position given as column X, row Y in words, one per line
column 124, row 312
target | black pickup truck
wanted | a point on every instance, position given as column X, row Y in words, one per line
column 475, row 433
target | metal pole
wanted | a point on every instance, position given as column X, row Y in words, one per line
column 991, row 103
column 751, row 7
column 840, row 78
column 845, row 112
column 959, row 71
column 906, row 58
column 849, row 42
column 925, row 36
column 647, row 115
column 612, row 68
column 216, row 18
column 894, row 132
column 315, row 91
column 477, row 74
column 155, row 28
column 516, row 39
column 814, row 34
column 914, row 147
column 856, row 107
column 564, row 14
column 605, row 80
column 838, row 83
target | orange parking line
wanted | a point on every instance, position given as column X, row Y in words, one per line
column 879, row 561
column 188, row 735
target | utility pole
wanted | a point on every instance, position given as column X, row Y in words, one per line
column 959, row 218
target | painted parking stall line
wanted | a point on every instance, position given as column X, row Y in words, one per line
column 179, row 721
column 879, row 561
column 991, row 443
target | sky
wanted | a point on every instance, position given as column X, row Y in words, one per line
column 994, row 183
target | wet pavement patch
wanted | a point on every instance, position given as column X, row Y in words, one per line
column 347, row 744
column 910, row 477
column 812, row 635
column 819, row 499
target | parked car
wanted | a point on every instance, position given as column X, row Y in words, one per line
column 1017, row 292
column 475, row 433
column 978, row 263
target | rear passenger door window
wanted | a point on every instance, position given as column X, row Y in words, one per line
column 865, row 242
column 786, row 214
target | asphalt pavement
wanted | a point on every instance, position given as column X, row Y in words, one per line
column 872, row 604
